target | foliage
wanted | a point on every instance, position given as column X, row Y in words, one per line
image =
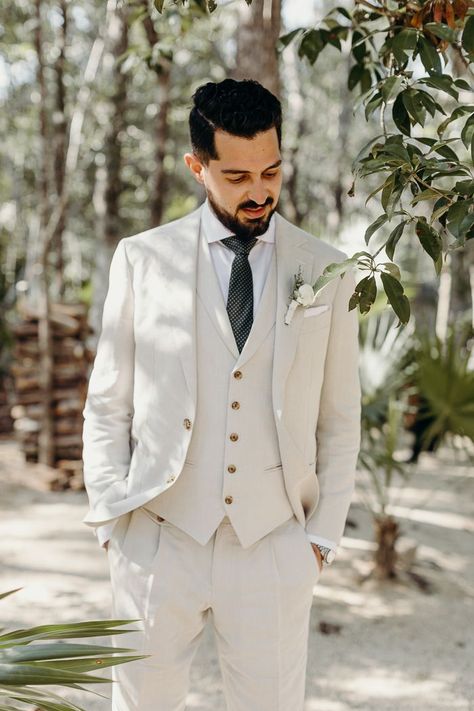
column 384, row 403
column 444, row 378
column 436, row 172
column 37, row 657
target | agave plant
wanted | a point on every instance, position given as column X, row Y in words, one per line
column 34, row 658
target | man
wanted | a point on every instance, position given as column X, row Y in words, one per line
column 220, row 441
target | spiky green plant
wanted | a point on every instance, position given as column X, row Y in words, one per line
column 33, row 658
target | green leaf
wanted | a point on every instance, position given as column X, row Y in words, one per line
column 285, row 40
column 439, row 29
column 381, row 220
column 355, row 75
column 393, row 238
column 392, row 269
column 400, row 116
column 467, row 39
column 403, row 41
column 428, row 55
column 367, row 291
column 443, row 82
column 333, row 270
column 93, row 628
column 391, row 87
column 363, row 151
column 467, row 132
column 430, row 240
column 9, row 592
column 463, row 84
column 373, row 104
column 159, row 5
column 396, row 297
column 311, row 45
column 457, row 113
column 358, row 47
column 414, row 106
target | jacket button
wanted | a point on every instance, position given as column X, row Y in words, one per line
column 228, row 499
column 235, row 405
column 231, row 468
column 238, row 374
column 234, row 436
column 187, row 423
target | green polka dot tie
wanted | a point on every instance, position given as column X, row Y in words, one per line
column 240, row 298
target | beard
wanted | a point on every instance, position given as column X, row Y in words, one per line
column 251, row 227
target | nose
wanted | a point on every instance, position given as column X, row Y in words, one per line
column 258, row 194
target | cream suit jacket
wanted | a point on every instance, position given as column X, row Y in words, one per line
column 142, row 391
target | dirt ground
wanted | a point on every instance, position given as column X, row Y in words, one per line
column 400, row 646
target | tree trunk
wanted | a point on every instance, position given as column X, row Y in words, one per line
column 257, row 37
column 59, row 138
column 45, row 339
column 113, row 150
column 162, row 67
column 387, row 532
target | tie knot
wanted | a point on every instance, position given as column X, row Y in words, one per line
column 239, row 245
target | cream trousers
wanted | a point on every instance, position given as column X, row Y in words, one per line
column 259, row 598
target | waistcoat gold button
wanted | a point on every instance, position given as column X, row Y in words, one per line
column 228, row 499
column 234, row 436
column 187, row 423
column 238, row 374
column 235, row 405
column 231, row 468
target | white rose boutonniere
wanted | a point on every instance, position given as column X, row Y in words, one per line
column 302, row 295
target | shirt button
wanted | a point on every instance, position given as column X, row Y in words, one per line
column 234, row 436
column 187, row 423
column 228, row 499
column 238, row 374
column 231, row 468
column 235, row 405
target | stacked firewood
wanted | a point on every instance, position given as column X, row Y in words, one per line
column 6, row 421
column 71, row 360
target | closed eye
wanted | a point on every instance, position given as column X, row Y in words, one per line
column 239, row 180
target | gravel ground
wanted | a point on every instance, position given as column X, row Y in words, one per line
column 400, row 646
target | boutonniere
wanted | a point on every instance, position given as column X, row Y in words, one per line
column 302, row 295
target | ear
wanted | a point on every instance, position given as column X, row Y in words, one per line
column 195, row 166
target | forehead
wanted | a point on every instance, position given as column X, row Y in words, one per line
column 247, row 154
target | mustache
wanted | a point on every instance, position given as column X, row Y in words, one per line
column 254, row 206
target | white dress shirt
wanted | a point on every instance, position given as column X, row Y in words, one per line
column 259, row 259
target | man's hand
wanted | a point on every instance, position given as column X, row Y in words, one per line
column 318, row 555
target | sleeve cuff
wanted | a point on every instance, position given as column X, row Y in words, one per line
column 104, row 532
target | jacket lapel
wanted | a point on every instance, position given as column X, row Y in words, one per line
column 209, row 291
column 290, row 254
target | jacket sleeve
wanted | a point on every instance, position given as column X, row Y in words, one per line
column 108, row 408
column 338, row 430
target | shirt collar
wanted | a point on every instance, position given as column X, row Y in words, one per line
column 214, row 230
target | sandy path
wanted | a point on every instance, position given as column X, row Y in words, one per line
column 397, row 649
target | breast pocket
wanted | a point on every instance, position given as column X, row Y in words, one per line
column 315, row 318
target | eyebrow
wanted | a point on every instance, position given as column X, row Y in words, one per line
column 275, row 165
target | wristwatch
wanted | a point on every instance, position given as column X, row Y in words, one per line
column 327, row 554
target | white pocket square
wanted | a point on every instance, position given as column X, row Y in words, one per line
column 315, row 310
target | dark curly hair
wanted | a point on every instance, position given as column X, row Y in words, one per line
column 242, row 108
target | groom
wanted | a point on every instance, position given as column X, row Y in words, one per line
column 220, row 442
